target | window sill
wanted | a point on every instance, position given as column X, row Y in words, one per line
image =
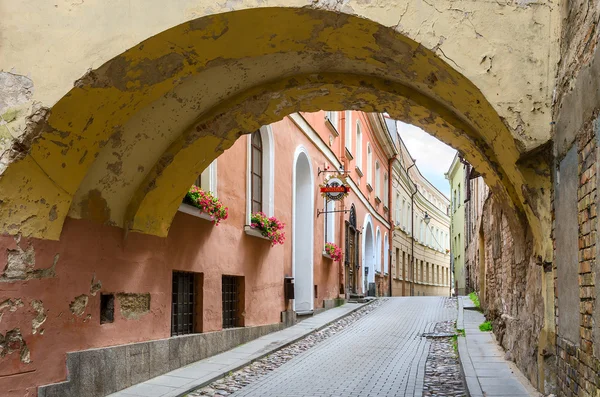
column 191, row 210
column 349, row 155
column 326, row 255
column 377, row 200
column 250, row 231
column 331, row 127
column 369, row 187
column 385, row 208
column 358, row 171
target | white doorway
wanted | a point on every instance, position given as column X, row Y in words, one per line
column 303, row 226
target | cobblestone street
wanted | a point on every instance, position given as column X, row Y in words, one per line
column 381, row 354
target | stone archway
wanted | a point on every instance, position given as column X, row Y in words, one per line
column 123, row 145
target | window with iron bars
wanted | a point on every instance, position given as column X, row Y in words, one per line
column 186, row 309
column 233, row 301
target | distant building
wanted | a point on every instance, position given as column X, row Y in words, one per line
column 456, row 176
column 420, row 248
column 477, row 194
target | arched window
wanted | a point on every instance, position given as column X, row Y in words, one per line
column 256, row 172
column 260, row 183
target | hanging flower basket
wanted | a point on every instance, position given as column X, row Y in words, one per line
column 206, row 203
column 447, row 251
column 270, row 228
column 334, row 251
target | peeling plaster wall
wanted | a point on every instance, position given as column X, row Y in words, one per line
column 148, row 118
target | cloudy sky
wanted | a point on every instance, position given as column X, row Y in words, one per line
column 433, row 156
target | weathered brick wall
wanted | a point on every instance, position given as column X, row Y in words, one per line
column 578, row 362
column 512, row 297
column 577, row 279
column 512, row 294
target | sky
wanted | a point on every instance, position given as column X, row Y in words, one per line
column 433, row 156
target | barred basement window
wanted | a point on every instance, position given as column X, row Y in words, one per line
column 233, row 302
column 184, row 305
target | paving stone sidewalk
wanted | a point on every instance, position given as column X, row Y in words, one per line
column 182, row 380
column 486, row 371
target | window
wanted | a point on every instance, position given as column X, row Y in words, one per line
column 369, row 165
column 458, row 203
column 358, row 146
column 260, row 168
column 185, row 304
column 422, row 230
column 397, row 219
column 377, row 180
column 329, row 221
column 333, row 119
column 232, row 300
column 386, row 254
column 404, row 218
column 207, row 180
column 454, row 200
column 348, row 139
column 257, row 172
column 385, row 189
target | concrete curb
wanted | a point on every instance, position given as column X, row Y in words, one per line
column 238, row 367
column 466, row 365
column 468, row 370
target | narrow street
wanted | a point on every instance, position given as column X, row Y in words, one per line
column 382, row 354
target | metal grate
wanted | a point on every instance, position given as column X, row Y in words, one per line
column 183, row 303
column 231, row 301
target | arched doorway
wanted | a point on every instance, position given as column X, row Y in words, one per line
column 369, row 258
column 302, row 223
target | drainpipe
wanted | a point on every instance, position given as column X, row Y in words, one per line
column 412, row 232
column 391, row 234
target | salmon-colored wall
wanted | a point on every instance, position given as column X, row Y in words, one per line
column 136, row 263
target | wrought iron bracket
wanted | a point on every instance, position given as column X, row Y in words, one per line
column 321, row 171
column 319, row 212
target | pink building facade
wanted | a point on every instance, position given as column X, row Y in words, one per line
column 204, row 288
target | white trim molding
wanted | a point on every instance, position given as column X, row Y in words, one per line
column 266, row 133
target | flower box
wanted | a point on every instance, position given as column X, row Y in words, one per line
column 206, row 204
column 268, row 227
column 332, row 251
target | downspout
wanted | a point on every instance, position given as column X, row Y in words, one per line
column 412, row 233
column 391, row 234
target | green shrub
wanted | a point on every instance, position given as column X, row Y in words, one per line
column 487, row 326
column 475, row 299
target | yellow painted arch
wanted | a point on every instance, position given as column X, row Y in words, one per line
column 258, row 66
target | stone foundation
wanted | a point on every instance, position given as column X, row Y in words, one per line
column 99, row 372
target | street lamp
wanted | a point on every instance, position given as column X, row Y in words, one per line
column 426, row 218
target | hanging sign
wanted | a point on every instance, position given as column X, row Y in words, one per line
column 335, row 188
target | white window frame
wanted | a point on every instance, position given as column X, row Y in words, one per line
column 268, row 186
column 358, row 157
column 377, row 180
column 348, row 134
column 385, row 189
column 369, row 164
